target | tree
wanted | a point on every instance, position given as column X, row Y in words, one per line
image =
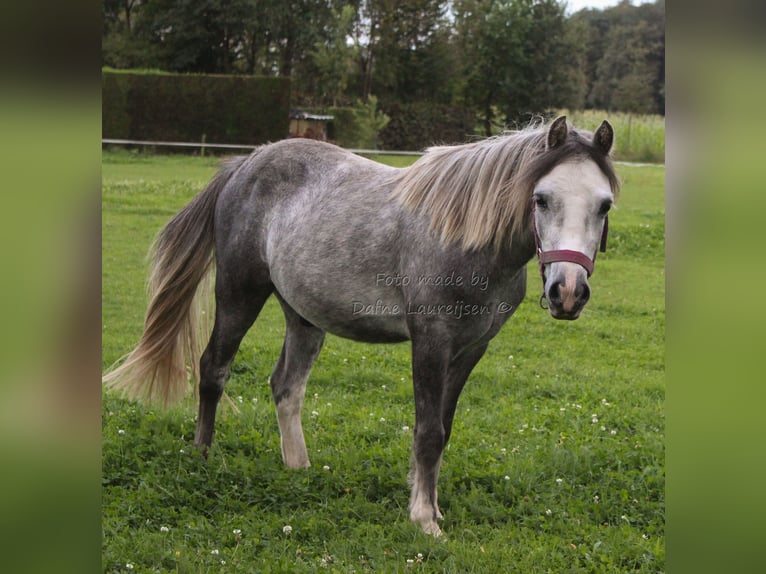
column 625, row 57
column 506, row 59
column 332, row 59
column 403, row 49
column 520, row 58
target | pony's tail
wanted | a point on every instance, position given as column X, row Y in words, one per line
column 168, row 354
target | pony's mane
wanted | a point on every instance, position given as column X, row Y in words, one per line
column 479, row 194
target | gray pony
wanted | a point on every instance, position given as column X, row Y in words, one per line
column 434, row 253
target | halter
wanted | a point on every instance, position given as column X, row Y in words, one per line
column 568, row 255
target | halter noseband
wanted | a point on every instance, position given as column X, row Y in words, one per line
column 544, row 257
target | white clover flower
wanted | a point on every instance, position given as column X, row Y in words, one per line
column 236, row 532
column 612, row 432
column 287, row 529
column 314, row 414
column 129, row 566
column 214, row 552
column 548, row 512
column 325, row 467
column 405, row 428
column 506, row 477
column 164, row 529
column 382, row 420
column 559, row 480
column 120, row 431
column 240, row 399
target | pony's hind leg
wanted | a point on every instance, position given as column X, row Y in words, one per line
column 234, row 315
column 302, row 344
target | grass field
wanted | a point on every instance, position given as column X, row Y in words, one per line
column 638, row 137
column 556, row 462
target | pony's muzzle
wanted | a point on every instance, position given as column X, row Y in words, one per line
column 567, row 293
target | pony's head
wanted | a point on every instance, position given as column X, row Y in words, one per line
column 490, row 194
column 570, row 206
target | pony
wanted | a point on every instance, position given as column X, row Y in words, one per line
column 434, row 254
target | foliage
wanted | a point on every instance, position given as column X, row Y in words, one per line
column 508, row 60
column 369, row 121
column 193, row 107
column 524, row 56
column 626, row 57
column 358, row 126
column 556, row 462
column 417, row 125
column 332, row 60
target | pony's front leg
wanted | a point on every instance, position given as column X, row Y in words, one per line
column 429, row 371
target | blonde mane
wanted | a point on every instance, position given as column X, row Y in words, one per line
column 479, row 194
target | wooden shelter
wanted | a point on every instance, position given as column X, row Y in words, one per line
column 308, row 125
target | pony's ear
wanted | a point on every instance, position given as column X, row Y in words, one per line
column 557, row 133
column 604, row 137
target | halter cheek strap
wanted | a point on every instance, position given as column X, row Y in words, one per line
column 545, row 257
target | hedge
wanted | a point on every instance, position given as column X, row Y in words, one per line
column 155, row 106
column 415, row 126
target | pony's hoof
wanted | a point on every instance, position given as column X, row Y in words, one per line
column 297, row 464
column 202, row 448
column 432, row 528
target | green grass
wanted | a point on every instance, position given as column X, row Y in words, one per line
column 556, row 463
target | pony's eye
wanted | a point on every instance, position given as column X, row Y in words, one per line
column 541, row 202
column 605, row 207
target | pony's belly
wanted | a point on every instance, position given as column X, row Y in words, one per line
column 373, row 317
column 370, row 330
column 367, row 322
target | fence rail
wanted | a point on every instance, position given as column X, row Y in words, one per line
column 252, row 147
column 205, row 145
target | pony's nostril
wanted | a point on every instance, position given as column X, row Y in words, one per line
column 554, row 293
column 582, row 293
